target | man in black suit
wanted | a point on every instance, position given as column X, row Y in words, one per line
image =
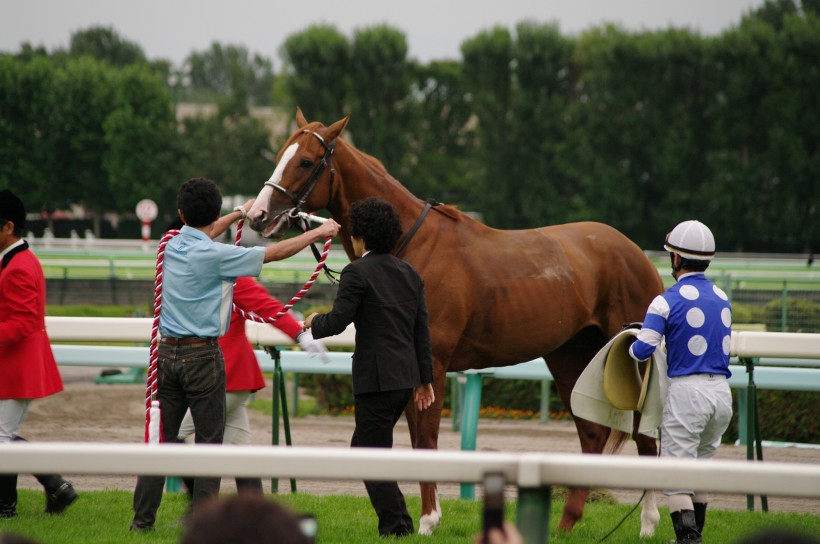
column 392, row 362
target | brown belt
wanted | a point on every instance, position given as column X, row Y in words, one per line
column 191, row 341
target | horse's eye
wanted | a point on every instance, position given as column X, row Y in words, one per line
column 305, row 163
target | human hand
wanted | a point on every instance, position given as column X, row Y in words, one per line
column 308, row 321
column 245, row 208
column 312, row 346
column 424, row 396
column 327, row 229
column 509, row 535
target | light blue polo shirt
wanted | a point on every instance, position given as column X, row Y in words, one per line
column 197, row 283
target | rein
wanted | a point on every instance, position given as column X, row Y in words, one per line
column 153, row 420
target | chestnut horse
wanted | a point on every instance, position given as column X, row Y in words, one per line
column 495, row 297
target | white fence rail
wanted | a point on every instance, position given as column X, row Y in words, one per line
column 533, row 474
column 523, row 470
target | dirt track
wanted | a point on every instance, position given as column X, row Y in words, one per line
column 86, row 412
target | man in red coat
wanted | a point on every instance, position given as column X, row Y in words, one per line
column 27, row 367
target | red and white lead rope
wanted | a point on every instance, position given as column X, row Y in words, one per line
column 153, row 421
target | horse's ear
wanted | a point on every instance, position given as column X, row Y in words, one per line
column 336, row 128
column 300, row 118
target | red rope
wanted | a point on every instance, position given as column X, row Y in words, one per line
column 151, row 382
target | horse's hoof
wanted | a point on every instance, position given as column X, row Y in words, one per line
column 648, row 526
column 650, row 517
column 429, row 522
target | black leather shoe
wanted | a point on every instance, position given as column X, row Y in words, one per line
column 140, row 528
column 60, row 499
column 8, row 512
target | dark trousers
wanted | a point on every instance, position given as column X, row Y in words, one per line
column 187, row 377
column 376, row 415
column 8, row 484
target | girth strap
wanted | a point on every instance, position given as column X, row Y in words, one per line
column 429, row 204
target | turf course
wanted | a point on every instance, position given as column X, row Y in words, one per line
column 104, row 516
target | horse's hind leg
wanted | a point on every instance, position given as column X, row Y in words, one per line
column 566, row 364
column 650, row 517
column 424, row 428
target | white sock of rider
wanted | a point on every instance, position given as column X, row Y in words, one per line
column 680, row 501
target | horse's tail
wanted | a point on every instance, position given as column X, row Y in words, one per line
column 615, row 442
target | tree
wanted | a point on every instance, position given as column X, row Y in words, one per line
column 540, row 178
column 228, row 148
column 379, row 89
column 439, row 148
column 140, row 139
column 230, row 71
column 28, row 121
column 487, row 67
column 315, row 72
column 105, row 44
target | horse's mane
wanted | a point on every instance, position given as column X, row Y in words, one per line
column 451, row 212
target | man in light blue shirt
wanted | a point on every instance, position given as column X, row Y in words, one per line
column 197, row 290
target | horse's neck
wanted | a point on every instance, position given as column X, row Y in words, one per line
column 361, row 176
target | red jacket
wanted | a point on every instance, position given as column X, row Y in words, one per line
column 27, row 366
column 241, row 367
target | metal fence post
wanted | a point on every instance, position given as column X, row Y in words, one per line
column 533, row 513
column 469, row 424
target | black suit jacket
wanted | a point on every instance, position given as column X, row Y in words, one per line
column 383, row 297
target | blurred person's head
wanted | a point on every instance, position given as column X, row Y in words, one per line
column 779, row 536
column 244, row 519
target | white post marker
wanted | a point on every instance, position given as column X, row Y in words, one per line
column 146, row 212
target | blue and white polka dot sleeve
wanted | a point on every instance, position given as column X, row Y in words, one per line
column 653, row 330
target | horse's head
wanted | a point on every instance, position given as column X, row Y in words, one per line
column 302, row 180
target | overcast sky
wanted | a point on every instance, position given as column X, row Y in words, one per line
column 434, row 29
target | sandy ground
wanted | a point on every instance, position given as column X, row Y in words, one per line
column 88, row 412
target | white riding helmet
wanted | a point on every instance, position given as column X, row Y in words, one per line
column 691, row 240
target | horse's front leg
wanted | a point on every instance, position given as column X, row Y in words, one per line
column 424, row 427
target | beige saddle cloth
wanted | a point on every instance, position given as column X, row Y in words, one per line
column 614, row 386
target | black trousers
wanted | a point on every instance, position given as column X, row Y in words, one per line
column 376, row 415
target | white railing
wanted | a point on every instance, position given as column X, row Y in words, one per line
column 533, row 474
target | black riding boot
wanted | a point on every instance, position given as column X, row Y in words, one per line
column 249, row 486
column 59, row 493
column 700, row 515
column 8, row 495
column 686, row 529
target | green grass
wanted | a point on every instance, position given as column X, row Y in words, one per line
column 104, row 517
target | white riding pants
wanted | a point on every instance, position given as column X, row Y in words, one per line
column 237, row 425
column 697, row 412
column 12, row 414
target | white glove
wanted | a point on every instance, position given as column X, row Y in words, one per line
column 312, row 346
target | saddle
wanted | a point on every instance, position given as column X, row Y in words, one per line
column 626, row 381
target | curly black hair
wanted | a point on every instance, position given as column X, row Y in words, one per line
column 377, row 223
column 200, row 202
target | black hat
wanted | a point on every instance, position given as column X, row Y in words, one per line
column 12, row 209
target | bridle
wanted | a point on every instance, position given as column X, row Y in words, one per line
column 298, row 200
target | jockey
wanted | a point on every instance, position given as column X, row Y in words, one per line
column 695, row 317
